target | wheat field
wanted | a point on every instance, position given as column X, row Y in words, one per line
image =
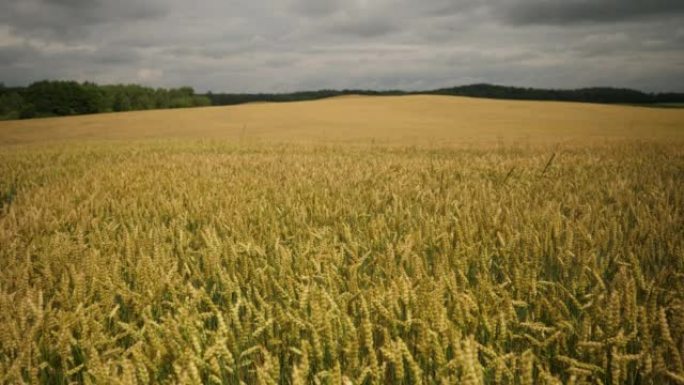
column 407, row 120
column 412, row 240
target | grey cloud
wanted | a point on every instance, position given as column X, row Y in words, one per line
column 587, row 11
column 30, row 64
column 364, row 19
column 388, row 8
column 115, row 57
column 13, row 55
column 71, row 18
column 269, row 45
column 449, row 7
column 317, row 8
column 364, row 26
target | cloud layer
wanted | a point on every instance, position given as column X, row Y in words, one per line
column 285, row 45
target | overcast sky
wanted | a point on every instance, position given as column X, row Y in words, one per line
column 286, row 45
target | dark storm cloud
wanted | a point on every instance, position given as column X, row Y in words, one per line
column 285, row 45
column 583, row 11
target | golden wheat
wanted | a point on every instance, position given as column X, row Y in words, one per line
column 215, row 262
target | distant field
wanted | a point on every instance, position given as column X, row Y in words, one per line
column 407, row 240
column 404, row 119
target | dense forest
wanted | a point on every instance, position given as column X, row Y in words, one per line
column 60, row 98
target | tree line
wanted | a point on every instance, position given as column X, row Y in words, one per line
column 224, row 99
column 62, row 98
column 590, row 95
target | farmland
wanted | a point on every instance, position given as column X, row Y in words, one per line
column 403, row 120
column 353, row 240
